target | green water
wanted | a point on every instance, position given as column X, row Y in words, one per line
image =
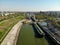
column 26, row 37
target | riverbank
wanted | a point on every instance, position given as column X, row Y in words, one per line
column 11, row 37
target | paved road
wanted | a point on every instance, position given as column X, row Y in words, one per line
column 11, row 37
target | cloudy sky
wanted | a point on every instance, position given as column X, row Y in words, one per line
column 29, row 5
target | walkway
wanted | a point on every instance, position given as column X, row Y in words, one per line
column 12, row 36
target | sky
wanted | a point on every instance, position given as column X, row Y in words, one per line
column 29, row 5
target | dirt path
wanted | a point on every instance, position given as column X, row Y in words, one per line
column 11, row 37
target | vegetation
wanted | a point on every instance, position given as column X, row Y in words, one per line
column 50, row 17
column 8, row 23
column 58, row 24
column 40, row 16
column 9, row 16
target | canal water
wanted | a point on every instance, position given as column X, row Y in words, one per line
column 27, row 37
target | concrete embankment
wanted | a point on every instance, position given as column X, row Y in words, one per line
column 12, row 36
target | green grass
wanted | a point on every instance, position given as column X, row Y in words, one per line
column 6, row 25
column 26, row 37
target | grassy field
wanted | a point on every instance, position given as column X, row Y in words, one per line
column 6, row 25
column 26, row 37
